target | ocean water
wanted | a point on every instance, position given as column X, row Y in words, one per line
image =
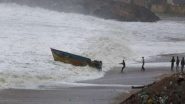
column 27, row 34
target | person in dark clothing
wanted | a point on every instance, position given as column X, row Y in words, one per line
column 143, row 63
column 100, row 65
column 182, row 64
column 123, row 63
column 177, row 63
column 172, row 63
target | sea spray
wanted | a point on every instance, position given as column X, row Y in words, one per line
column 27, row 34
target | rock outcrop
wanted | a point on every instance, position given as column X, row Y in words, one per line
column 174, row 10
column 170, row 90
column 108, row 9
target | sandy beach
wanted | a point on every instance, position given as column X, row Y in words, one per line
column 113, row 88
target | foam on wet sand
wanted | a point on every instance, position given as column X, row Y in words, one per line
column 112, row 88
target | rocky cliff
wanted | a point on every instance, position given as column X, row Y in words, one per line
column 176, row 10
column 108, row 9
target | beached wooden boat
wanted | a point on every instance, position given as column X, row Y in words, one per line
column 143, row 86
column 138, row 87
column 74, row 59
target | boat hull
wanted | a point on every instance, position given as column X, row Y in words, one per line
column 70, row 58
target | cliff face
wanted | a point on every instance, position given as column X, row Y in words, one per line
column 125, row 12
column 178, row 10
column 108, row 9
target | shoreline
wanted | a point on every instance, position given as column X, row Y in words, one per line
column 110, row 89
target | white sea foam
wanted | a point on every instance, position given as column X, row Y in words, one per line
column 28, row 33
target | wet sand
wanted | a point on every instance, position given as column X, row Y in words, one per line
column 111, row 89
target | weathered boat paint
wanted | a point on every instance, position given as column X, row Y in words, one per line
column 70, row 58
column 75, row 59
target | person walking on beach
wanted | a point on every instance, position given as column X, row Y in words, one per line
column 177, row 63
column 182, row 64
column 143, row 63
column 172, row 63
column 123, row 63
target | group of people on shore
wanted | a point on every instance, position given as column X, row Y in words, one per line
column 177, row 61
column 173, row 61
column 142, row 68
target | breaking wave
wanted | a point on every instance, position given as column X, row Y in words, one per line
column 27, row 34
